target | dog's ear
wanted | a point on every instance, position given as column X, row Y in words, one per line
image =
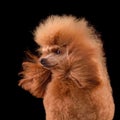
column 85, row 69
column 34, row 77
column 85, row 74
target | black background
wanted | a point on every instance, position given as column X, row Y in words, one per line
column 21, row 19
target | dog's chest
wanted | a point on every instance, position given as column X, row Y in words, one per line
column 66, row 103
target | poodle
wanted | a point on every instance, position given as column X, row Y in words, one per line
column 70, row 74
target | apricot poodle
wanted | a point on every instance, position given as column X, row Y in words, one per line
column 71, row 74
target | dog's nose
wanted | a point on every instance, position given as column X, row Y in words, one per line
column 43, row 61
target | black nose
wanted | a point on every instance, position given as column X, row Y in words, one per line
column 43, row 61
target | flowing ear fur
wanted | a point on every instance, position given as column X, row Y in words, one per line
column 85, row 74
column 35, row 77
column 84, row 68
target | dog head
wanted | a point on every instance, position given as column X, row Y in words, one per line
column 72, row 45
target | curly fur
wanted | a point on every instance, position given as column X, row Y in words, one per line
column 78, row 86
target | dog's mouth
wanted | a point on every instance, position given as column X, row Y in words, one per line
column 48, row 66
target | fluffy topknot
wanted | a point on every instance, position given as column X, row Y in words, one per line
column 65, row 29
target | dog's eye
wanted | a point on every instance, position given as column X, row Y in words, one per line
column 57, row 51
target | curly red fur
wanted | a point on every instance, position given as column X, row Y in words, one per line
column 73, row 81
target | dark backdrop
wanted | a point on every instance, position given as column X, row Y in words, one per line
column 23, row 18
